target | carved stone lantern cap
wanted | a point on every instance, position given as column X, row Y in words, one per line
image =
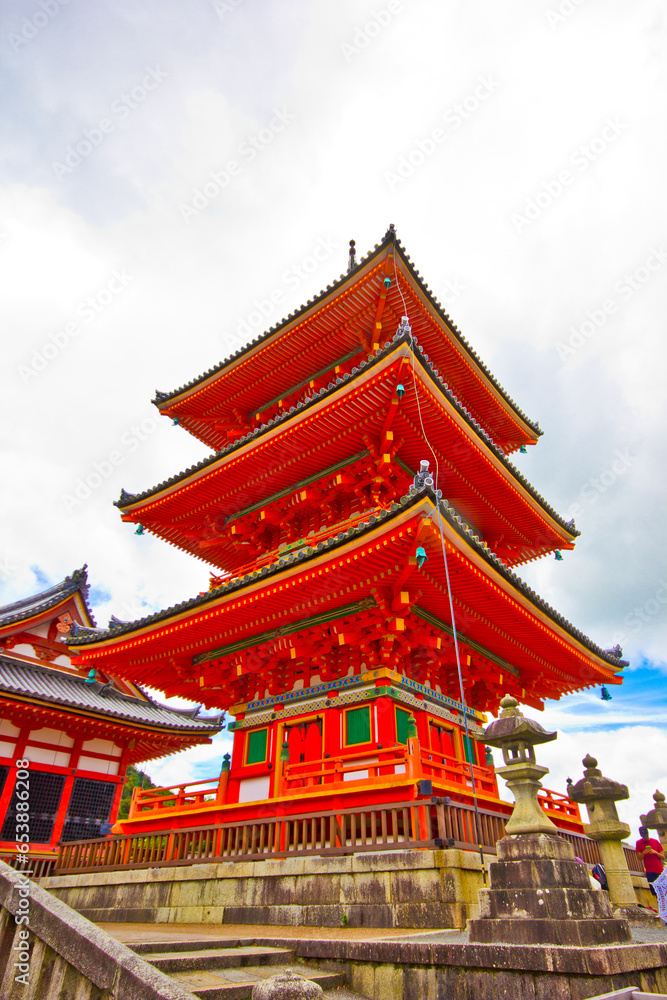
column 513, row 727
column 594, row 786
column 657, row 817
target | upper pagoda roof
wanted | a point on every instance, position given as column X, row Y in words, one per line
column 30, row 608
column 42, row 684
column 212, row 482
column 344, row 320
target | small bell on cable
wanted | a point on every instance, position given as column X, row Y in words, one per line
column 176, row 421
column 404, row 326
column 140, row 530
column 523, row 449
column 604, row 694
column 400, row 390
column 92, row 676
column 387, row 282
column 557, row 555
column 420, row 556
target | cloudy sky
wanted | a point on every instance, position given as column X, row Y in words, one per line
column 168, row 171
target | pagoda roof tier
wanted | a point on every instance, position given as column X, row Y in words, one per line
column 37, row 695
column 36, row 608
column 352, row 431
column 328, row 335
column 218, row 644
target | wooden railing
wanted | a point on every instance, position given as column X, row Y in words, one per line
column 558, row 804
column 457, row 772
column 376, row 764
column 174, row 796
column 426, row 823
column 589, row 851
column 38, row 866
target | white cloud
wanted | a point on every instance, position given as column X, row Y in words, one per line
column 635, row 756
column 60, row 242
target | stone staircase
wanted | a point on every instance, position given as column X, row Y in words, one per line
column 225, row 969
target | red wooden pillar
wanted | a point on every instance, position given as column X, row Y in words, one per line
column 332, row 741
column 8, row 790
column 238, row 747
column 63, row 805
column 122, row 771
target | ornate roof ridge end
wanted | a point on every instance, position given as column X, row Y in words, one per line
column 36, row 604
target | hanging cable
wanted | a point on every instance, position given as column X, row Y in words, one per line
column 405, row 323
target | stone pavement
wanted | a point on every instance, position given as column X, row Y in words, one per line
column 412, row 964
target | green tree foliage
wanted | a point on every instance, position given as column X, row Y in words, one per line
column 132, row 779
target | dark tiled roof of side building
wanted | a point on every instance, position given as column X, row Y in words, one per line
column 37, row 604
column 44, row 684
column 86, row 636
column 130, row 498
column 389, row 238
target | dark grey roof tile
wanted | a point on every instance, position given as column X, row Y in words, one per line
column 449, row 513
column 37, row 604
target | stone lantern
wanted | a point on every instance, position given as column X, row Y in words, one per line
column 539, row 893
column 600, row 796
column 517, row 736
column 656, row 819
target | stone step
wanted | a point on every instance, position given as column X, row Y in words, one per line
column 237, row 983
column 188, row 944
column 205, row 958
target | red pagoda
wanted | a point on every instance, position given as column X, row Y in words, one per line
column 327, row 632
column 66, row 739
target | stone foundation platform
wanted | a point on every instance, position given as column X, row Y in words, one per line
column 402, row 889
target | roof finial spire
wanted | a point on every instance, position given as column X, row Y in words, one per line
column 352, row 260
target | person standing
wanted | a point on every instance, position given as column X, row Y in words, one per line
column 652, row 855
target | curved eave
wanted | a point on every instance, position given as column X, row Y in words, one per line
column 527, row 430
column 31, row 620
column 196, row 610
column 31, row 611
column 194, row 735
column 133, row 507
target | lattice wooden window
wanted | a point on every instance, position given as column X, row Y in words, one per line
column 89, row 807
column 44, row 793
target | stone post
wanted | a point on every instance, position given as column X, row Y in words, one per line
column 539, row 893
column 656, row 819
column 221, row 795
column 600, row 795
